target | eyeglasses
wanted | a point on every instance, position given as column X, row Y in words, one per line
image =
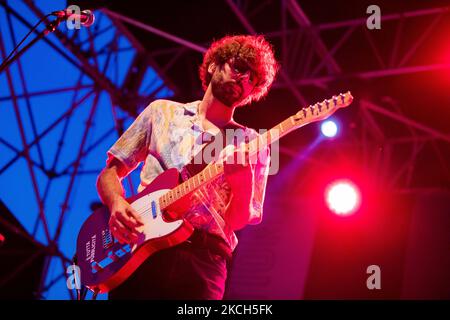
column 241, row 67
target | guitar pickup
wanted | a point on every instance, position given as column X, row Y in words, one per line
column 107, row 239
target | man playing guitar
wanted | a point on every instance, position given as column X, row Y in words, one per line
column 236, row 70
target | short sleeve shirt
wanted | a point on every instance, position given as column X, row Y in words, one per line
column 168, row 134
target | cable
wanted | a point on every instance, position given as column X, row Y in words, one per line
column 94, row 296
column 20, row 43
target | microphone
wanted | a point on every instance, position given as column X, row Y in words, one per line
column 86, row 17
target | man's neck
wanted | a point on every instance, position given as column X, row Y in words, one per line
column 213, row 111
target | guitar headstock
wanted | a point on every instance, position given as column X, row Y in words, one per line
column 324, row 109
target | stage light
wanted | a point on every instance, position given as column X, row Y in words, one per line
column 342, row 197
column 329, row 128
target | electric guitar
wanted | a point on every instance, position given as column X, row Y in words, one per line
column 105, row 263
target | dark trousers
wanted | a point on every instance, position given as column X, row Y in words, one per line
column 193, row 270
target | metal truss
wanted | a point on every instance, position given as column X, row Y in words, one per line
column 98, row 67
column 394, row 159
column 309, row 61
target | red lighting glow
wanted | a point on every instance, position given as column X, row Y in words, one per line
column 342, row 197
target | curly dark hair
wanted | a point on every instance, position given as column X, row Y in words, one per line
column 255, row 51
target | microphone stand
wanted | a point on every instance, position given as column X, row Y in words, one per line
column 51, row 27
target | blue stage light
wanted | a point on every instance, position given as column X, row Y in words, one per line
column 329, row 128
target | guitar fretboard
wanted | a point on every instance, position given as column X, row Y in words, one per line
column 213, row 170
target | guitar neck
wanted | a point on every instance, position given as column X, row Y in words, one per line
column 316, row 112
column 214, row 170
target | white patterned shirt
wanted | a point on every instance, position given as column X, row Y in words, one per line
column 166, row 135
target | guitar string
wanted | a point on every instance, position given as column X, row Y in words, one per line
column 146, row 211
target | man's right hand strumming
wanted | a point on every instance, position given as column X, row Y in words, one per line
column 125, row 223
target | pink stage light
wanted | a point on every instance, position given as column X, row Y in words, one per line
column 342, row 197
